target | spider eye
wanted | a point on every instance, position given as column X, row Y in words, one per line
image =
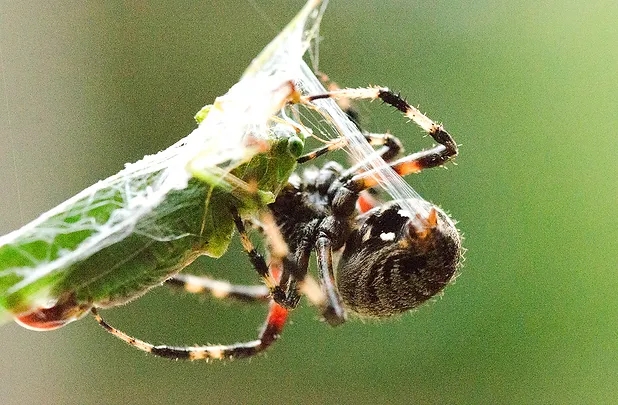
column 390, row 265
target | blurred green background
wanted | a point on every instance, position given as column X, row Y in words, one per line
column 529, row 89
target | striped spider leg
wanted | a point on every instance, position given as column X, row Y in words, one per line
column 275, row 319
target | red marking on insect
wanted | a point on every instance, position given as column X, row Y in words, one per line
column 49, row 318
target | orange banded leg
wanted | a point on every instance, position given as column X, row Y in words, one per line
column 436, row 156
column 277, row 316
column 273, row 326
column 410, row 164
column 439, row 155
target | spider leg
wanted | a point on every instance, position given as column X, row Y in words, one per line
column 436, row 156
column 343, row 102
column 410, row 164
column 329, row 147
column 291, row 271
column 271, row 330
column 273, row 326
column 247, row 294
column 332, row 311
column 441, row 154
column 391, row 147
column 219, row 288
column 284, row 291
column 305, row 284
column 256, row 259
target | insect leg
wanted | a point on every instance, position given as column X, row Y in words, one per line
column 277, row 316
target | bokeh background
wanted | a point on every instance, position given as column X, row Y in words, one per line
column 529, row 89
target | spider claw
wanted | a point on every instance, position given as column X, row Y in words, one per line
column 335, row 316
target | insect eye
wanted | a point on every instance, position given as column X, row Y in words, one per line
column 389, row 265
column 295, row 146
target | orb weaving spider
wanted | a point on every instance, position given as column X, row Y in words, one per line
column 393, row 258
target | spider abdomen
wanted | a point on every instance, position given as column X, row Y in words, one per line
column 389, row 265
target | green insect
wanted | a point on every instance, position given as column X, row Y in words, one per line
column 128, row 233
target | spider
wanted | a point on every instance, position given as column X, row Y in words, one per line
column 392, row 259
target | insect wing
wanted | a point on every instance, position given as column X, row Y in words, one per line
column 35, row 258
